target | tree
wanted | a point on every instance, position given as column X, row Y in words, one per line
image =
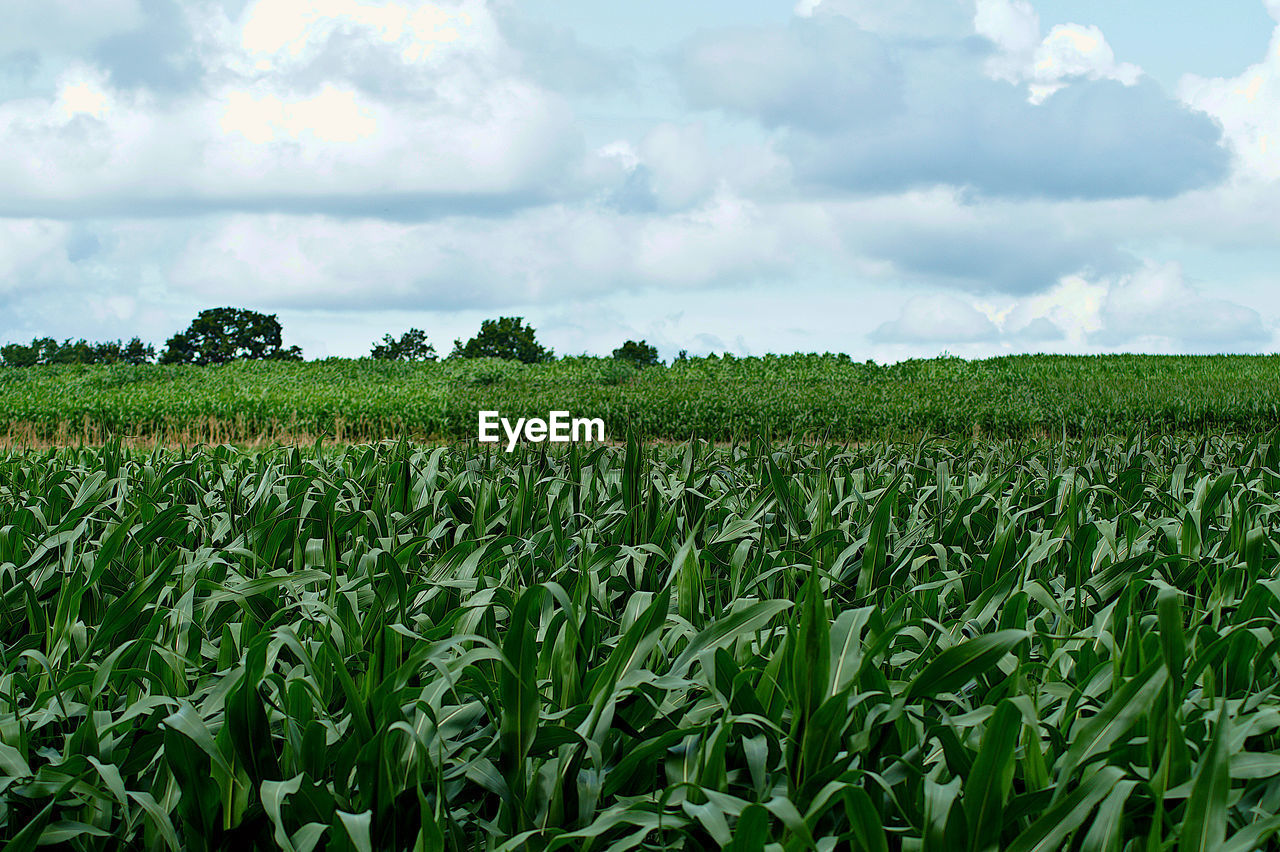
column 46, row 350
column 68, row 352
column 412, row 346
column 18, row 355
column 505, row 337
column 137, row 352
column 115, row 352
column 219, row 335
column 640, row 354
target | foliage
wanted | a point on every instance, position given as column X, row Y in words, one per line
column 412, row 346
column 640, row 354
column 46, row 350
column 971, row 646
column 219, row 335
column 507, row 338
column 825, row 397
column 17, row 355
column 133, row 352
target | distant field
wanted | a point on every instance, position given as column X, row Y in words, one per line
column 819, row 396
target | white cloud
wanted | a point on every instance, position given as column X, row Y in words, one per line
column 679, row 161
column 1152, row 309
column 937, row 318
column 1072, row 51
column 674, row 167
column 551, row 54
column 83, row 90
column 863, row 113
column 280, row 32
column 904, row 18
column 939, row 236
column 364, row 157
column 816, row 73
column 1014, row 27
column 541, row 255
column 1155, row 305
column 32, row 254
column 1073, row 305
column 1068, row 52
column 556, row 263
column 254, row 138
column 333, row 115
column 64, row 26
column 1248, row 107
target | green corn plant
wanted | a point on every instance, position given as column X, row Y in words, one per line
column 1027, row 644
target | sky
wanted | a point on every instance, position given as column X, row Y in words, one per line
column 890, row 180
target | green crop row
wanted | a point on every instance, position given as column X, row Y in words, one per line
column 713, row 398
column 938, row 646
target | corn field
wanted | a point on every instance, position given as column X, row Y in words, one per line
column 922, row 646
column 815, row 397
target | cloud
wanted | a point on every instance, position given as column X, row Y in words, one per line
column 65, row 27
column 1155, row 305
column 1039, row 330
column 1151, row 309
column 677, row 166
column 1248, row 107
column 1072, row 51
column 864, row 113
column 267, row 130
column 914, row 19
column 156, row 52
column 1072, row 306
column 1027, row 257
column 280, row 34
column 941, row 318
column 1094, row 139
column 451, row 157
column 819, row 74
column 1014, row 28
column 671, row 169
column 544, row 255
column 941, row 236
column 95, row 151
column 553, row 56
column 65, row 279
column 1069, row 52
column 32, row 254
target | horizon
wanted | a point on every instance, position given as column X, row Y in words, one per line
column 682, row 355
column 972, row 177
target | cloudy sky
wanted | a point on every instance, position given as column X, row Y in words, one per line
column 888, row 179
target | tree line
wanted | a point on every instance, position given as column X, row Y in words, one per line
column 221, row 335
